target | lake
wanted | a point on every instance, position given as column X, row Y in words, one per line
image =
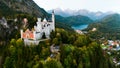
column 80, row 27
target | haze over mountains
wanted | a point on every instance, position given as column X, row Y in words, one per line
column 93, row 15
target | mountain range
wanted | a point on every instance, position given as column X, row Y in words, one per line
column 11, row 10
column 93, row 15
column 74, row 20
column 104, row 22
column 107, row 24
column 29, row 7
column 108, row 27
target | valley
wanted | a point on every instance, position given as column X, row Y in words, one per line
column 32, row 37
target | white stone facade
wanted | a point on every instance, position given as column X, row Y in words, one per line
column 42, row 27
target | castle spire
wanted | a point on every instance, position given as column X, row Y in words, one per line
column 53, row 20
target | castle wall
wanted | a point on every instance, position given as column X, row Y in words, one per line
column 27, row 35
column 42, row 27
column 38, row 36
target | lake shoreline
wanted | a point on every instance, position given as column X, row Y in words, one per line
column 80, row 27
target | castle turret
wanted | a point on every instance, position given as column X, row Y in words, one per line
column 53, row 20
column 39, row 19
column 34, row 33
column 21, row 32
column 39, row 25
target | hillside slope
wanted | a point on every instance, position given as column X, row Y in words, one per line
column 74, row 20
column 109, row 26
column 25, row 6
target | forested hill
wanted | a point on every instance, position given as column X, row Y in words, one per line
column 109, row 25
column 26, row 6
column 75, row 51
column 74, row 20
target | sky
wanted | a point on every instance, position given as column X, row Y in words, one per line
column 91, row 5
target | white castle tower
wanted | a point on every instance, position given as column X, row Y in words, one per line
column 53, row 20
column 39, row 29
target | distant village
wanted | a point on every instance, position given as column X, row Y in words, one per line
column 111, row 45
column 112, row 48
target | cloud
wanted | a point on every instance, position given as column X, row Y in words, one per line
column 92, row 5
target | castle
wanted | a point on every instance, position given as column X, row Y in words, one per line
column 42, row 27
